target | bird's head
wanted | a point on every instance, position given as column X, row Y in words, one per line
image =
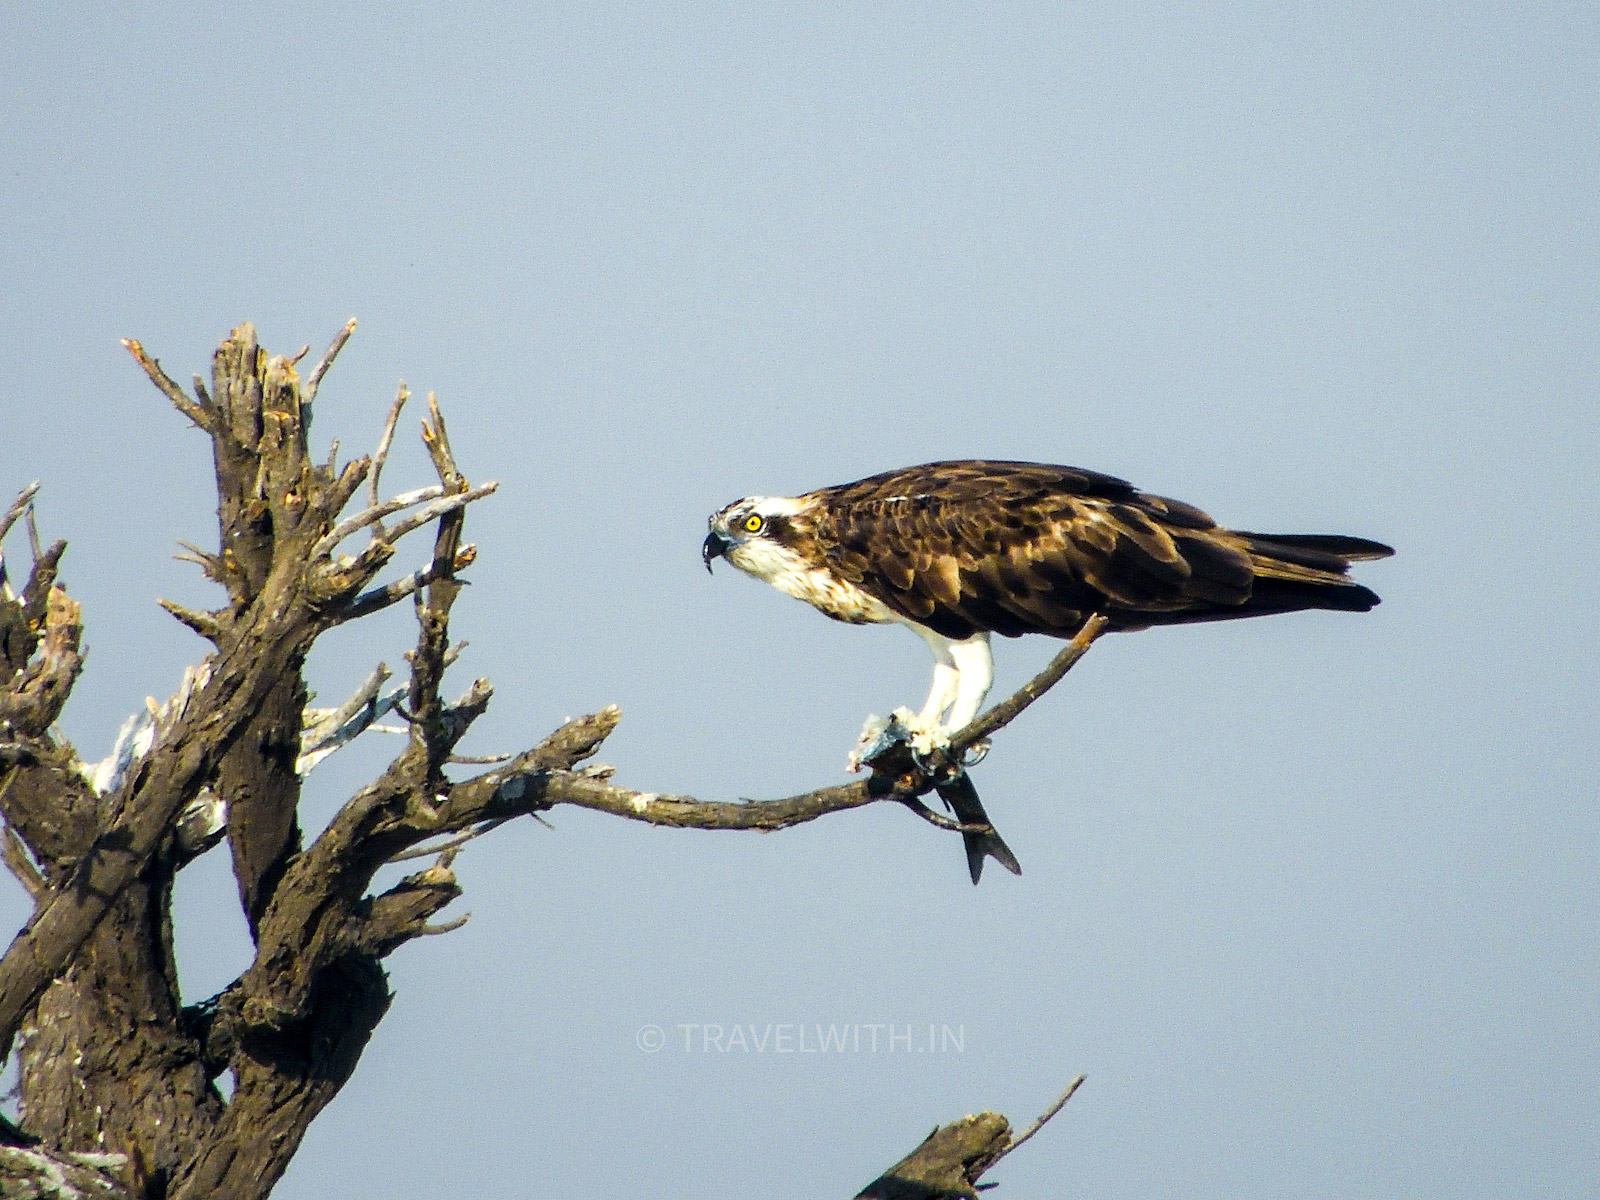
column 756, row 534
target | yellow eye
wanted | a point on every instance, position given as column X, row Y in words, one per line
column 753, row 523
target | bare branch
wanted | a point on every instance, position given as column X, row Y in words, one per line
column 37, row 592
column 203, row 623
column 439, row 508
column 486, row 760
column 373, row 514
column 324, row 730
column 202, row 414
column 451, row 846
column 15, row 855
column 402, row 912
column 24, row 498
column 445, row 927
column 34, row 696
column 382, row 597
column 912, row 778
column 205, row 561
column 940, row 821
column 1044, row 1117
column 437, row 440
column 35, row 547
column 382, row 455
column 308, row 391
column 685, row 812
column 528, row 784
column 23, row 503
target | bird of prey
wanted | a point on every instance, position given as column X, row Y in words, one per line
column 959, row 550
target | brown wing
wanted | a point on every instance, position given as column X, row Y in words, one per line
column 1029, row 548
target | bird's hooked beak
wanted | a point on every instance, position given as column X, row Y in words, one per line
column 715, row 546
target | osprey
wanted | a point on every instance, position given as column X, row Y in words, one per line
column 959, row 550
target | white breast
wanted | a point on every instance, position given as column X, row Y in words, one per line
column 788, row 572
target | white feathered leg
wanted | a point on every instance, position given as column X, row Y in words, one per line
column 962, row 673
column 975, row 673
column 946, row 682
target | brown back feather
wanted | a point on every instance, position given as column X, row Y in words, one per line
column 1031, row 548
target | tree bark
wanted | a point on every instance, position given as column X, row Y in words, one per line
column 948, row 1164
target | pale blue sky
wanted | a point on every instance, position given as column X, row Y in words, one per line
column 1313, row 900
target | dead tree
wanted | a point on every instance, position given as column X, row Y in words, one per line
column 117, row 1080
